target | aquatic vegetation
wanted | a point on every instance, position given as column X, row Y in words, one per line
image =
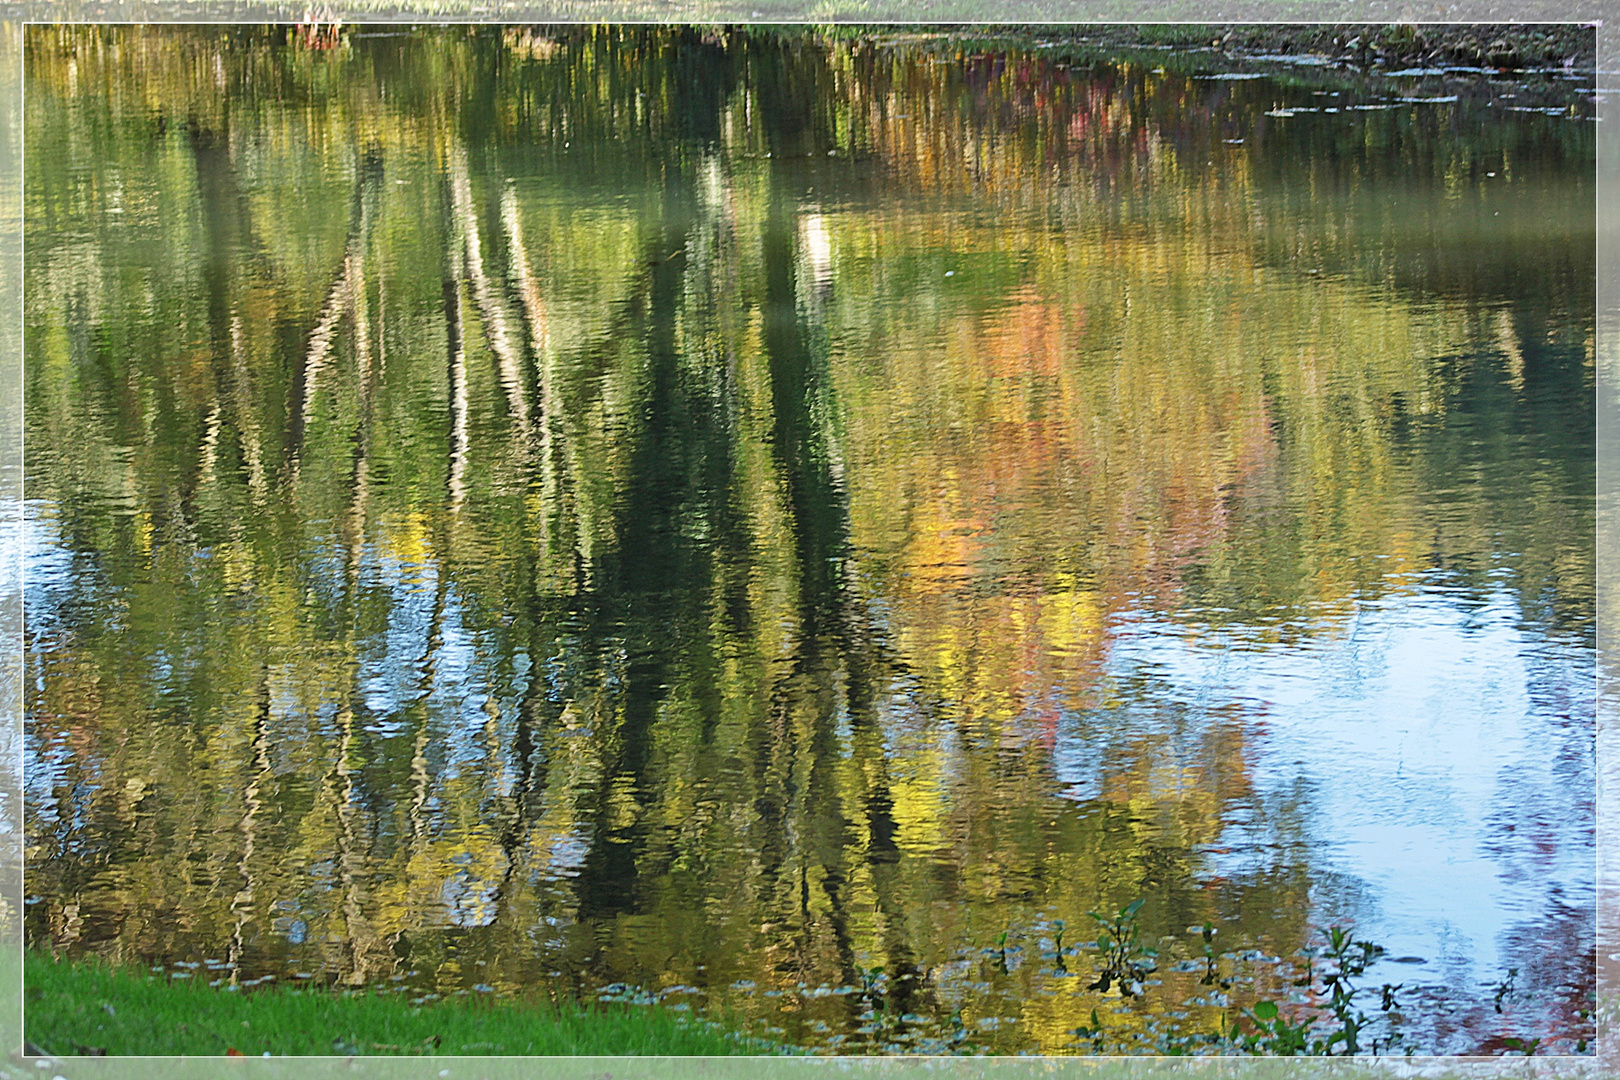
column 1335, row 1028
column 1126, row 962
column 1211, row 957
column 1322, row 1017
column 1058, row 929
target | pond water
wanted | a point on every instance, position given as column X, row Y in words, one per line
column 791, row 523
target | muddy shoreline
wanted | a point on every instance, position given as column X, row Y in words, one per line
column 1491, row 48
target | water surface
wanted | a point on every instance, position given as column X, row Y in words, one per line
column 775, row 521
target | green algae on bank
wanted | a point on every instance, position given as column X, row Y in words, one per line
column 90, row 1008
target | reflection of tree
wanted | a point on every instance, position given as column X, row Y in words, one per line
column 839, row 660
column 653, row 573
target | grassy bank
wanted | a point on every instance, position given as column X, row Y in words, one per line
column 79, row 1007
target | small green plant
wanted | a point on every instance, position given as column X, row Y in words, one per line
column 1272, row 1033
column 1526, row 1047
column 1349, row 959
column 877, row 1012
column 1331, row 972
column 1126, row 962
column 1211, row 971
column 1390, row 1006
column 1058, row 927
column 1094, row 1032
column 1504, row 989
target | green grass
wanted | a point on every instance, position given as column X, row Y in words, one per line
column 86, row 1007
